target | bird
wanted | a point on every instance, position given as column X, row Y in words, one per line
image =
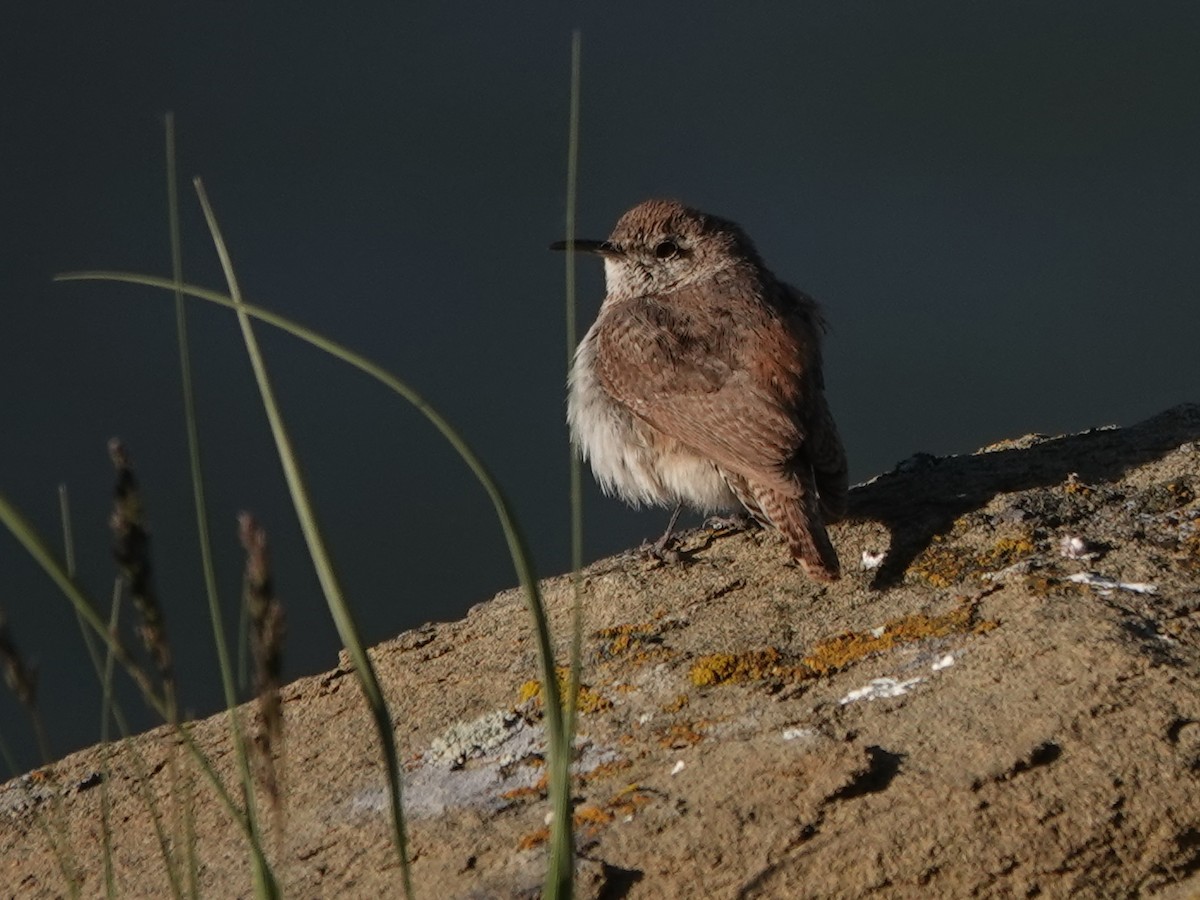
column 700, row 382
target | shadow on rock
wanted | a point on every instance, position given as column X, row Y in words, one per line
column 924, row 495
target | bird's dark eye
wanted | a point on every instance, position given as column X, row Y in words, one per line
column 666, row 249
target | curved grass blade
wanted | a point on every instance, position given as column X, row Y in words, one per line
column 264, row 881
column 29, row 538
column 322, row 561
column 514, row 537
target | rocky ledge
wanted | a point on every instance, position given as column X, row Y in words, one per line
column 1001, row 697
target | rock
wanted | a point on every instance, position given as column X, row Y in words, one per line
column 981, row 712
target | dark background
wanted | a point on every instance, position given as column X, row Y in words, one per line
column 997, row 204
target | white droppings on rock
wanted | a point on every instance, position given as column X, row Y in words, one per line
column 799, row 732
column 1104, row 583
column 882, row 689
column 678, row 767
column 944, row 663
column 1072, row 546
column 1017, row 568
column 872, row 559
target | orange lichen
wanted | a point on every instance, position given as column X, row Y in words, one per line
column 637, row 643
column 628, row 800
column 1074, row 486
column 683, row 734
column 1041, row 585
column 531, row 840
column 531, row 792
column 604, row 770
column 1189, row 549
column 590, row 818
column 591, row 815
column 677, row 704
column 1182, row 492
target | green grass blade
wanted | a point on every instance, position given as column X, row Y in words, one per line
column 89, row 642
column 29, row 538
column 228, row 681
column 112, row 712
column 514, row 536
column 322, row 561
column 561, row 874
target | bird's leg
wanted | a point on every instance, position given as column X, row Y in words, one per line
column 660, row 546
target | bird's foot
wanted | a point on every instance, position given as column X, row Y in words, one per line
column 719, row 526
column 665, row 550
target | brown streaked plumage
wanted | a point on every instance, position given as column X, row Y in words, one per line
column 700, row 381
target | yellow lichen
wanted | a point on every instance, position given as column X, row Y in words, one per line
column 720, row 668
column 1006, row 551
column 623, row 638
column 942, row 564
column 587, row 701
column 839, row 651
column 939, row 564
column 529, row 690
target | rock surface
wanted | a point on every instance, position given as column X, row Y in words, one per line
column 1000, row 698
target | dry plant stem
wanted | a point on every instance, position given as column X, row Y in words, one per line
column 131, row 550
column 112, row 712
column 266, row 644
column 110, row 886
column 22, row 681
column 36, row 547
column 513, row 535
column 64, row 508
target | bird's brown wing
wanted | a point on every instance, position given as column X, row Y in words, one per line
column 828, row 458
column 823, row 444
column 731, row 397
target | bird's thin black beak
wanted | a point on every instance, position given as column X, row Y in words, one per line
column 603, row 248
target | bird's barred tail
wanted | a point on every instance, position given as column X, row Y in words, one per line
column 797, row 515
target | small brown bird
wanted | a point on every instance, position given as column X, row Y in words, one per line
column 700, row 381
